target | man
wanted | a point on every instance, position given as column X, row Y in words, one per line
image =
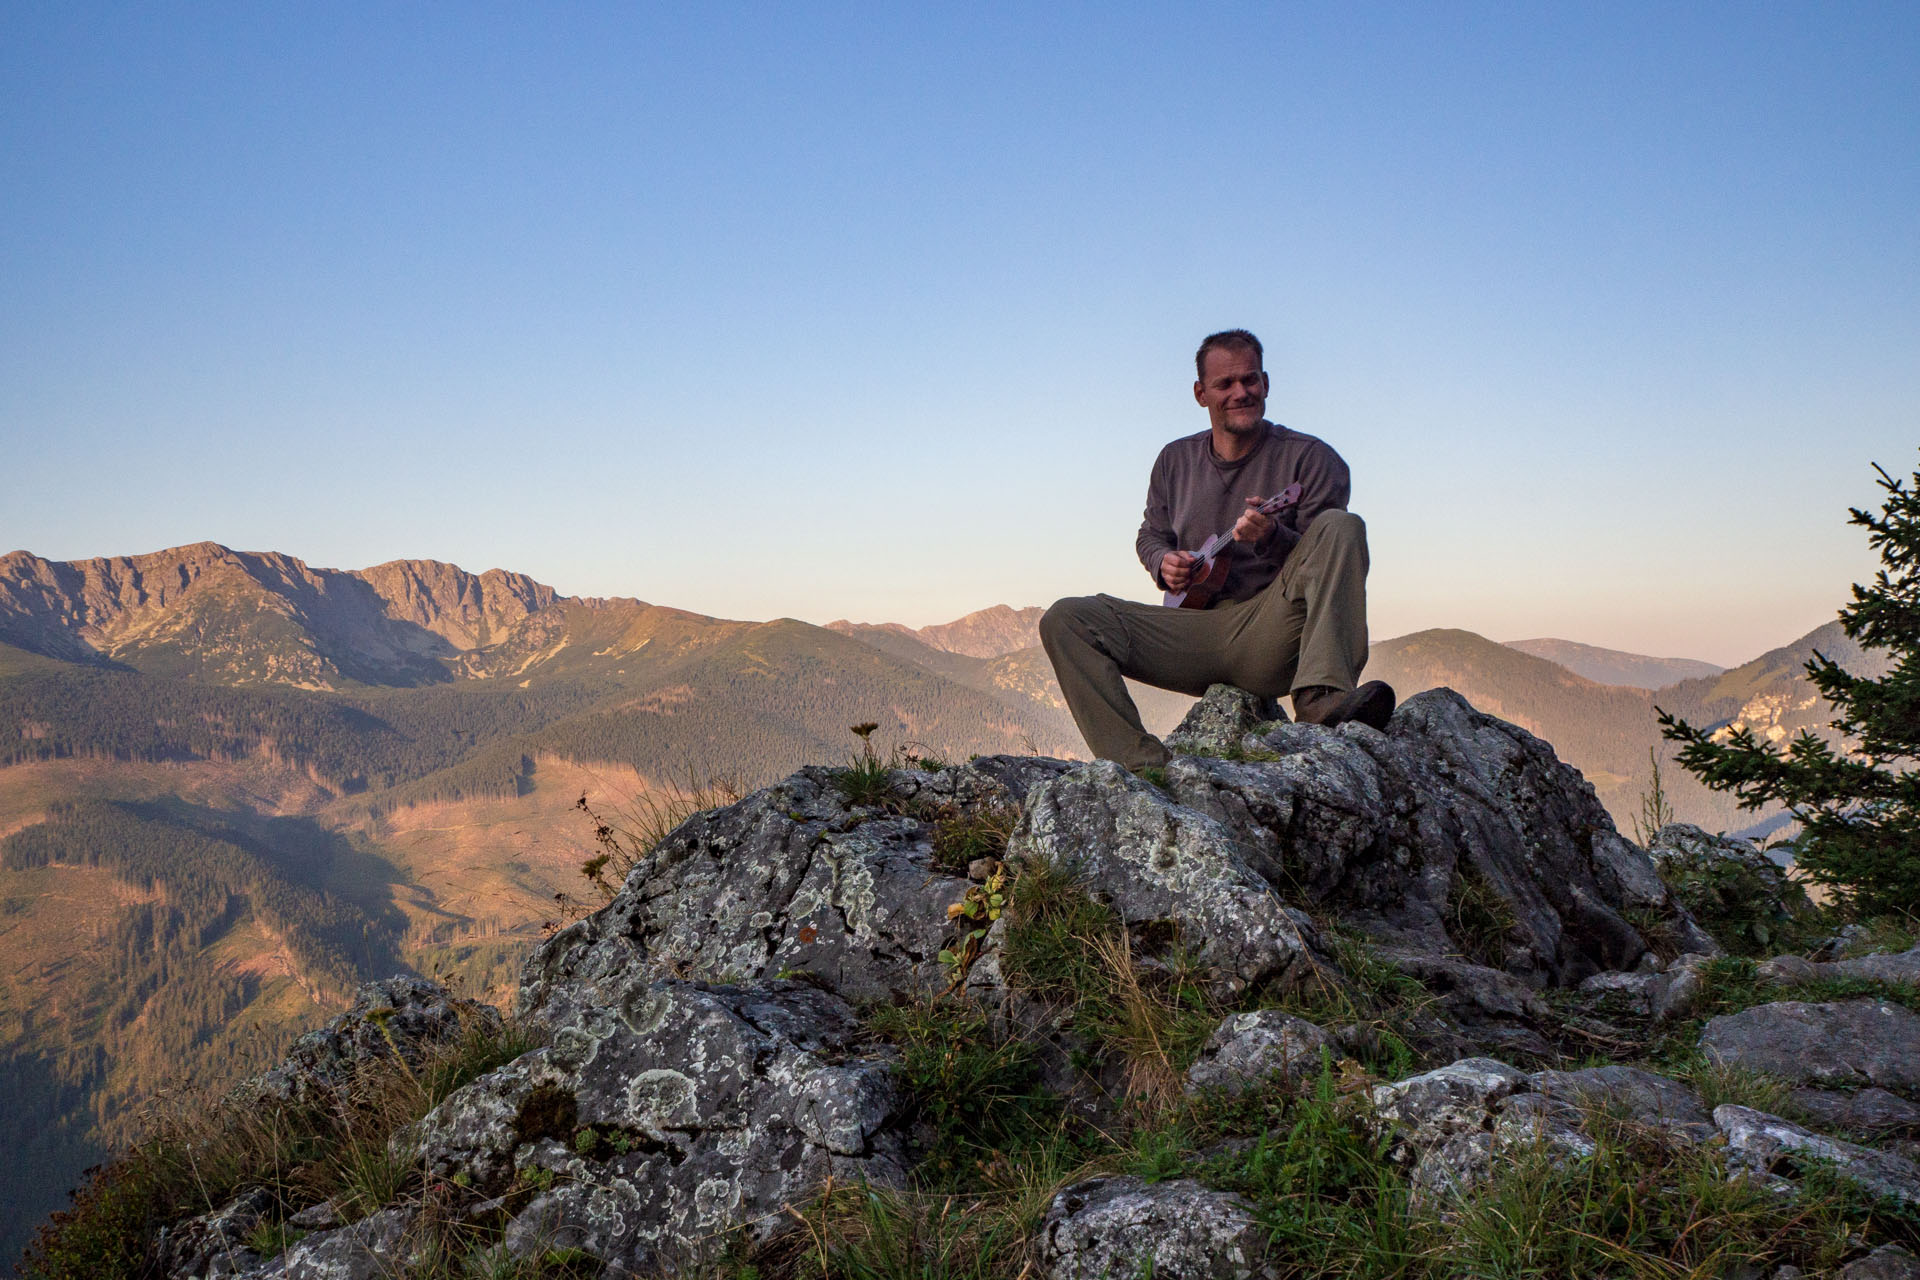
column 1292, row 616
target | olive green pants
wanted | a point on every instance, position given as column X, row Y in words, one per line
column 1308, row 628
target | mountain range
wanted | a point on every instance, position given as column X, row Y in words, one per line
column 233, row 784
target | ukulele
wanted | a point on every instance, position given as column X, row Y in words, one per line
column 1214, row 557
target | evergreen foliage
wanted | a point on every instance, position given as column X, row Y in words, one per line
column 1858, row 807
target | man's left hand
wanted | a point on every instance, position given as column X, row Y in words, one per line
column 1251, row 527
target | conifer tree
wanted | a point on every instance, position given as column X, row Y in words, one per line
column 1859, row 806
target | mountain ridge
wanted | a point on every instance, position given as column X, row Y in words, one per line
column 1615, row 666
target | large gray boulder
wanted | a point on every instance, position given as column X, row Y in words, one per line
column 1638, row 1097
column 1888, row 1262
column 1221, row 720
column 215, row 1243
column 1844, row 1043
column 1179, row 1230
column 790, row 879
column 1156, row 860
column 1452, row 832
column 1897, row 966
column 1767, row 1147
column 1873, row 1113
column 677, row 1112
column 373, row 1248
column 1453, row 1126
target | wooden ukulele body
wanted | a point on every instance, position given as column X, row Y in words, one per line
column 1215, row 558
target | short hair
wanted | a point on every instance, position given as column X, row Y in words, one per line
column 1232, row 340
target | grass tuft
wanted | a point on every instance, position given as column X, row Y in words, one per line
column 628, row 834
column 1479, row 918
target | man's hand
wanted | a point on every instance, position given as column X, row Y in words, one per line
column 1251, row 527
column 1176, row 570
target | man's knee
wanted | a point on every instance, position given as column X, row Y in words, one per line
column 1064, row 618
column 1343, row 526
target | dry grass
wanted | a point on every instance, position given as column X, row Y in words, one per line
column 201, row 1151
column 627, row 832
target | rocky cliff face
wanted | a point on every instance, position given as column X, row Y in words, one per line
column 713, row 1057
column 245, row 617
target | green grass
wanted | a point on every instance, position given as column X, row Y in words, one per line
column 979, row 1092
column 1064, row 947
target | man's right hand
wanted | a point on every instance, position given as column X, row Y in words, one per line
column 1176, row 570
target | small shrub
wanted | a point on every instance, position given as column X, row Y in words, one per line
column 271, row 1239
column 1369, row 992
column 867, row 1233
column 1749, row 905
column 1718, row 1083
column 1638, row 1206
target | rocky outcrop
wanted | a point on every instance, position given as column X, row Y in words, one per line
column 1219, row 723
column 1455, row 1124
column 1250, row 1048
column 706, row 1064
column 1769, row 1148
column 1154, row 859
column 791, row 879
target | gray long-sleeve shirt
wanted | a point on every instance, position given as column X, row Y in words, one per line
column 1192, row 495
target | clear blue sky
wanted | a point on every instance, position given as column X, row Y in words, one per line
column 872, row 312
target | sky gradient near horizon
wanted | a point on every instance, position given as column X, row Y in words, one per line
column 862, row 311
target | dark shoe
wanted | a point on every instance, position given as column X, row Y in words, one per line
column 1371, row 704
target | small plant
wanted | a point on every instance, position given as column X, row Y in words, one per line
column 974, row 914
column 1717, row 1083
column 200, row 1152
column 867, row 779
column 1655, row 811
column 962, row 837
column 1063, row 946
column 1740, row 896
column 979, row 1092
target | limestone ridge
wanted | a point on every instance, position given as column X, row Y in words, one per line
column 248, row 617
column 675, row 1018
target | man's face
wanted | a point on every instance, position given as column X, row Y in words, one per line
column 1233, row 390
